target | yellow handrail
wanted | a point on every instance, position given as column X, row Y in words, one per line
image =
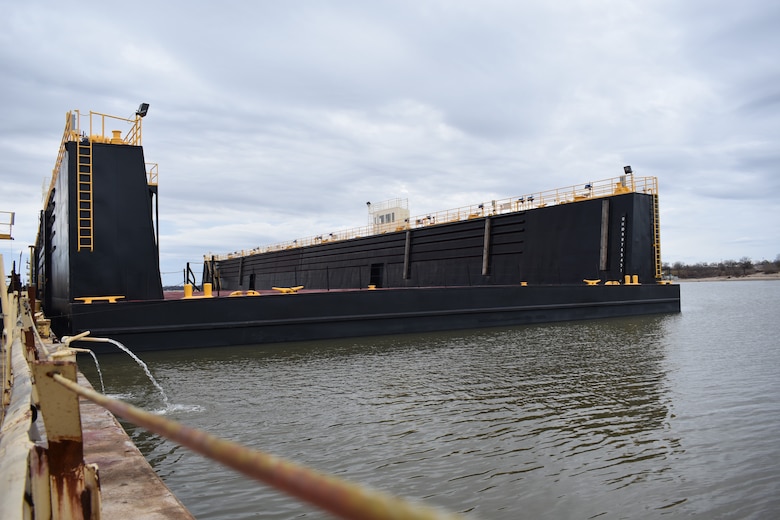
column 152, row 174
column 96, row 131
column 569, row 194
column 6, row 222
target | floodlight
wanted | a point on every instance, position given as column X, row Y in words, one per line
column 143, row 108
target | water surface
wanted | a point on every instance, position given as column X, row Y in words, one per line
column 649, row 417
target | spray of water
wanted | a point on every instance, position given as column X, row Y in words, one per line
column 136, row 359
column 146, row 370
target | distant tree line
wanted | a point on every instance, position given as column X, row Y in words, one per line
column 728, row 268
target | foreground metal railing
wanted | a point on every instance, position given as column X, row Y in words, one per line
column 40, row 477
column 48, row 478
column 569, row 194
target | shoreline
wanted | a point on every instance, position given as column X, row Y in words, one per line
column 746, row 278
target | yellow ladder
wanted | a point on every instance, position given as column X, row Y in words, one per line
column 85, row 220
column 657, row 237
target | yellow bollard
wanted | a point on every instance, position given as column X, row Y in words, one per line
column 207, row 290
column 635, row 279
column 188, row 290
column 628, row 279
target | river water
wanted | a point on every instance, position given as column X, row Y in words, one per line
column 650, row 417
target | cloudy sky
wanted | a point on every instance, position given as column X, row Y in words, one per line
column 277, row 120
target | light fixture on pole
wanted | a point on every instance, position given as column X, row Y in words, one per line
column 143, row 108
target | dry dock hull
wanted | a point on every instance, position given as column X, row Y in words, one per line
column 249, row 320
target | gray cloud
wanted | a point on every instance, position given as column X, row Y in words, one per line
column 273, row 121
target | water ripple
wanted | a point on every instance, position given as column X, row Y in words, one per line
column 641, row 417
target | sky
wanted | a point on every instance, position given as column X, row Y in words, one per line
column 277, row 120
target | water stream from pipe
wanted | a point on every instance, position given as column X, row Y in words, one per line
column 146, row 370
column 100, row 374
column 136, row 359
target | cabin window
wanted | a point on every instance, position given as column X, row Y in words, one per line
column 386, row 218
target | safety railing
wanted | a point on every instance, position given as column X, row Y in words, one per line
column 6, row 224
column 95, row 127
column 569, row 194
column 152, row 174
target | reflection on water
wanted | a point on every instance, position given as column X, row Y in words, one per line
column 577, row 420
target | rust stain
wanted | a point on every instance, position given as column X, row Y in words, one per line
column 38, row 463
column 29, row 343
column 66, row 469
column 65, row 456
